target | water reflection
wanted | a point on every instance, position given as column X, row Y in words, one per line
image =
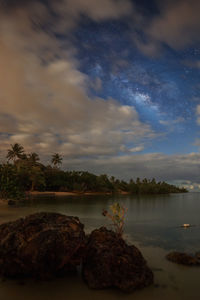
column 151, row 220
column 152, row 224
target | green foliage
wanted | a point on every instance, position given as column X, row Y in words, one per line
column 33, row 158
column 28, row 173
column 152, row 187
column 117, row 216
column 104, row 184
column 16, row 151
column 10, row 185
column 56, row 159
column 37, row 177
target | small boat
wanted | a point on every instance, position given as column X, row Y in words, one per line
column 186, row 225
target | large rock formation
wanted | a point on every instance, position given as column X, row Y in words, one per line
column 184, row 258
column 41, row 245
column 110, row 262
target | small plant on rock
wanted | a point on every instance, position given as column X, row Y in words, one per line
column 117, row 216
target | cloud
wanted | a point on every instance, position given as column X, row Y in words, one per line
column 149, row 46
column 177, row 25
column 45, row 102
column 188, row 184
column 195, row 98
column 197, row 140
column 192, row 63
column 97, row 84
column 136, row 149
column 160, row 166
column 96, row 10
column 61, row 16
column 198, row 114
column 172, row 122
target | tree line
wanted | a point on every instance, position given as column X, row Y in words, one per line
column 24, row 172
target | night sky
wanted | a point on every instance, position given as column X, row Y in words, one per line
column 112, row 85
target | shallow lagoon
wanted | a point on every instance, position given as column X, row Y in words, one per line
column 152, row 224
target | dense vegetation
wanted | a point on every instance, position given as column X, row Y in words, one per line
column 26, row 173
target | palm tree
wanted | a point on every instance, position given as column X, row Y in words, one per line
column 56, row 159
column 33, row 158
column 112, row 179
column 36, row 176
column 16, row 151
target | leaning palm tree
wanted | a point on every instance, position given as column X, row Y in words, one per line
column 16, row 151
column 56, row 159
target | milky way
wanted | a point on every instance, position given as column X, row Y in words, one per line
column 103, row 80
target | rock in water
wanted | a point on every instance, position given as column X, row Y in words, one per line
column 110, row 262
column 41, row 245
column 197, row 255
column 12, row 202
column 183, row 258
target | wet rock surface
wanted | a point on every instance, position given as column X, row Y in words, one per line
column 110, row 262
column 41, row 245
column 184, row 258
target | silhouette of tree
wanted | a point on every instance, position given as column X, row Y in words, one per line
column 16, row 151
column 56, row 159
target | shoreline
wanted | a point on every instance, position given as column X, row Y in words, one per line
column 30, row 195
column 75, row 193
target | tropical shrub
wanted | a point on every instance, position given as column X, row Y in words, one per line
column 117, row 216
column 10, row 186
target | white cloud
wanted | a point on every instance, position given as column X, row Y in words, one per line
column 97, row 10
column 177, row 26
column 44, row 97
column 136, row 149
column 171, row 168
column 172, row 122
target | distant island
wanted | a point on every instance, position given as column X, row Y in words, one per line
column 24, row 172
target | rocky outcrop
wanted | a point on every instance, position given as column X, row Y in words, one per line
column 197, row 255
column 110, row 262
column 44, row 245
column 11, row 202
column 41, row 245
column 184, row 258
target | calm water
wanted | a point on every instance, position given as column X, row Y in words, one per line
column 152, row 224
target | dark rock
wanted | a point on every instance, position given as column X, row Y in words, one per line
column 183, row 258
column 197, row 255
column 12, row 202
column 41, row 245
column 110, row 262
